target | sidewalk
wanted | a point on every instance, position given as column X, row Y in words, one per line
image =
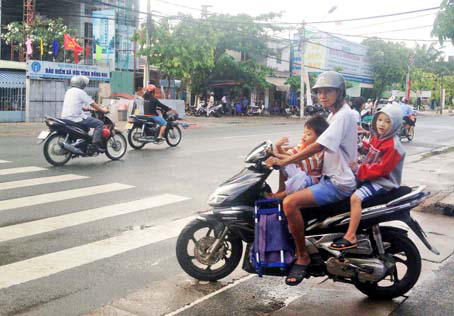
column 33, row 129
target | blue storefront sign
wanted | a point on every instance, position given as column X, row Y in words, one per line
column 46, row 69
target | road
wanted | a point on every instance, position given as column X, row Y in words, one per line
column 78, row 237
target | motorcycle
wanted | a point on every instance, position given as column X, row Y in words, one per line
column 201, row 110
column 143, row 130
column 255, row 109
column 210, row 247
column 406, row 130
column 66, row 139
column 215, row 110
column 316, row 109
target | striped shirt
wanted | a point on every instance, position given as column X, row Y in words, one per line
column 312, row 165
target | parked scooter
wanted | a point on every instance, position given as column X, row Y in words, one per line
column 255, row 109
column 66, row 139
column 386, row 263
column 143, row 130
column 215, row 110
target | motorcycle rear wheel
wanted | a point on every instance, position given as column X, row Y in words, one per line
column 192, row 250
column 133, row 134
column 405, row 254
column 173, row 136
column 53, row 151
column 116, row 146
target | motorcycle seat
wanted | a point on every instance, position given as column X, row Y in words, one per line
column 145, row 117
column 72, row 123
column 323, row 212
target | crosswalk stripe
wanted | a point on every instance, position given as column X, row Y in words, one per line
column 4, row 161
column 46, row 265
column 73, row 219
column 4, row 172
column 60, row 196
column 39, row 181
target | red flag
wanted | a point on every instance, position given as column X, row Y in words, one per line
column 87, row 51
column 71, row 44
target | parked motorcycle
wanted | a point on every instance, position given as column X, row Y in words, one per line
column 215, row 110
column 201, row 110
column 311, row 110
column 66, row 139
column 386, row 263
column 255, row 109
column 143, row 130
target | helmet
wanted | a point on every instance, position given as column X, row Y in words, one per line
column 392, row 99
column 331, row 79
column 150, row 87
column 79, row 82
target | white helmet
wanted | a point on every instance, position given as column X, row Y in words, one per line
column 79, row 82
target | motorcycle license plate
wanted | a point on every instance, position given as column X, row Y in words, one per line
column 129, row 126
column 42, row 136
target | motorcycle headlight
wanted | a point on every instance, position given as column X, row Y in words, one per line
column 217, row 199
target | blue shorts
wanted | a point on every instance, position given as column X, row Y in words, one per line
column 159, row 120
column 325, row 192
column 369, row 190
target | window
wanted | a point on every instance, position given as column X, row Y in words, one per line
column 88, row 30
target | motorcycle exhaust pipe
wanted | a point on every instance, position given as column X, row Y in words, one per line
column 72, row 149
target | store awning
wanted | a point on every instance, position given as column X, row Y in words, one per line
column 12, row 79
column 279, row 83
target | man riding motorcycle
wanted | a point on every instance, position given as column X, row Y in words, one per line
column 76, row 104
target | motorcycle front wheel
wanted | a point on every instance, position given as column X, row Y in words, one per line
column 173, row 136
column 133, row 138
column 406, row 270
column 410, row 133
column 54, row 152
column 116, row 146
column 193, row 250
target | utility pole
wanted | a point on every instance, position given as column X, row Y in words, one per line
column 205, row 10
column 148, row 32
column 302, row 44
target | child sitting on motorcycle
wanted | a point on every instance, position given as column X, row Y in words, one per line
column 379, row 173
column 302, row 174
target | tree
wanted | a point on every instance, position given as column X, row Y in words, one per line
column 443, row 26
column 179, row 50
column 43, row 28
column 388, row 61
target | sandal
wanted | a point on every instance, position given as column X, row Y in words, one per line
column 343, row 244
column 297, row 272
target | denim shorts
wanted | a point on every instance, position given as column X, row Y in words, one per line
column 325, row 192
column 159, row 120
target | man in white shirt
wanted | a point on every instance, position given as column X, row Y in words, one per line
column 75, row 102
column 338, row 182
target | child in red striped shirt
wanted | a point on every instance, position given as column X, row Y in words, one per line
column 300, row 175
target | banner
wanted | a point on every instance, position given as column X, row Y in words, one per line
column 104, row 36
column 55, row 48
column 47, row 69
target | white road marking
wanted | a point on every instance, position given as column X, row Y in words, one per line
column 4, row 161
column 200, row 300
column 60, row 196
column 46, row 265
column 73, row 219
column 39, row 181
column 4, row 172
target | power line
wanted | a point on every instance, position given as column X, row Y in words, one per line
column 374, row 17
column 399, row 30
column 386, row 22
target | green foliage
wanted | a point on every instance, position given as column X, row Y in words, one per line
column 197, row 50
column 388, row 63
column 443, row 26
column 43, row 28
